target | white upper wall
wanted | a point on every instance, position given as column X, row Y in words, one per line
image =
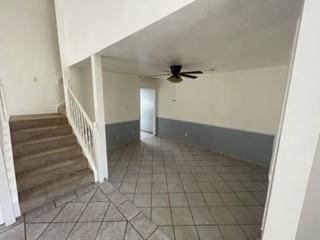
column 29, row 50
column 92, row 25
column 121, row 97
column 247, row 100
column 121, row 94
column 81, row 84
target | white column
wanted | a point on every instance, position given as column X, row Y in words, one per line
column 6, row 205
column 299, row 133
column 100, row 133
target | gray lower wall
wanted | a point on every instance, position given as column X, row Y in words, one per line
column 250, row 146
column 122, row 133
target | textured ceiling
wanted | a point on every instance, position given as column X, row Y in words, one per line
column 226, row 35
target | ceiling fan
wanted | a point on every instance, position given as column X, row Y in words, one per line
column 176, row 74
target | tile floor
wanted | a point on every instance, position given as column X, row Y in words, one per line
column 189, row 192
column 93, row 212
column 157, row 186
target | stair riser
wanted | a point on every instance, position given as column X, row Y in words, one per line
column 27, row 182
column 29, row 164
column 18, row 136
column 38, row 123
column 23, row 150
column 37, row 197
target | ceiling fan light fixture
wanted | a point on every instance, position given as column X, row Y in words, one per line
column 175, row 79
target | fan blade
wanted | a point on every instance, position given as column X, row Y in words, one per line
column 193, row 72
column 165, row 74
column 188, row 76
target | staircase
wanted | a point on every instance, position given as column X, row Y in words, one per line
column 48, row 160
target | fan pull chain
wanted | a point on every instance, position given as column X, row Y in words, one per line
column 174, row 92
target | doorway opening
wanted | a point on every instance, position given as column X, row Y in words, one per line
column 147, row 112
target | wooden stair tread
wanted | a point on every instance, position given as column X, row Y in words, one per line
column 51, row 167
column 45, row 193
column 50, row 187
column 47, row 152
column 43, row 140
column 34, row 129
column 36, row 117
column 31, row 179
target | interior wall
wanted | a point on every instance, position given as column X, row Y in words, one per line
column 121, row 97
column 309, row 220
column 121, row 94
column 81, row 83
column 84, row 21
column 236, row 113
column 244, row 100
column 121, row 102
column 29, row 56
column 298, row 142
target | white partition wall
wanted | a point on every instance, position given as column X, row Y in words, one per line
column 299, row 134
column 92, row 25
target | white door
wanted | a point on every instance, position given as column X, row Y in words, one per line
column 147, row 110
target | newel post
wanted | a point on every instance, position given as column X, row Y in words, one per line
column 99, row 128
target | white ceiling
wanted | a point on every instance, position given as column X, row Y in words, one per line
column 226, row 35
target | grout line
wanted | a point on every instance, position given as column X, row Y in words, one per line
column 45, row 229
column 173, row 229
column 125, row 231
column 81, row 214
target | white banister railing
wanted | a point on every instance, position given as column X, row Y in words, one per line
column 84, row 129
column 9, row 207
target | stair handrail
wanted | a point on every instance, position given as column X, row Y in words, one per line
column 10, row 194
column 82, row 126
column 83, row 112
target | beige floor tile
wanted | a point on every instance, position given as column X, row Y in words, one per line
column 232, row 232
column 143, row 187
column 113, row 214
column 99, row 196
column 16, row 233
column 132, row 234
column 178, row 199
column 33, row 230
column 85, row 231
column 252, row 231
column 202, row 216
column 231, row 199
column 186, row 233
column 112, row 231
column 71, row 212
column 143, row 225
column 161, row 216
column 242, row 215
column 158, row 235
column 168, row 230
column 196, row 199
column 182, row 216
column 159, row 187
column 213, row 199
column 209, row 233
column 95, row 211
column 160, row 200
column 222, row 215
column 129, row 210
column 57, row 231
column 142, row 200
